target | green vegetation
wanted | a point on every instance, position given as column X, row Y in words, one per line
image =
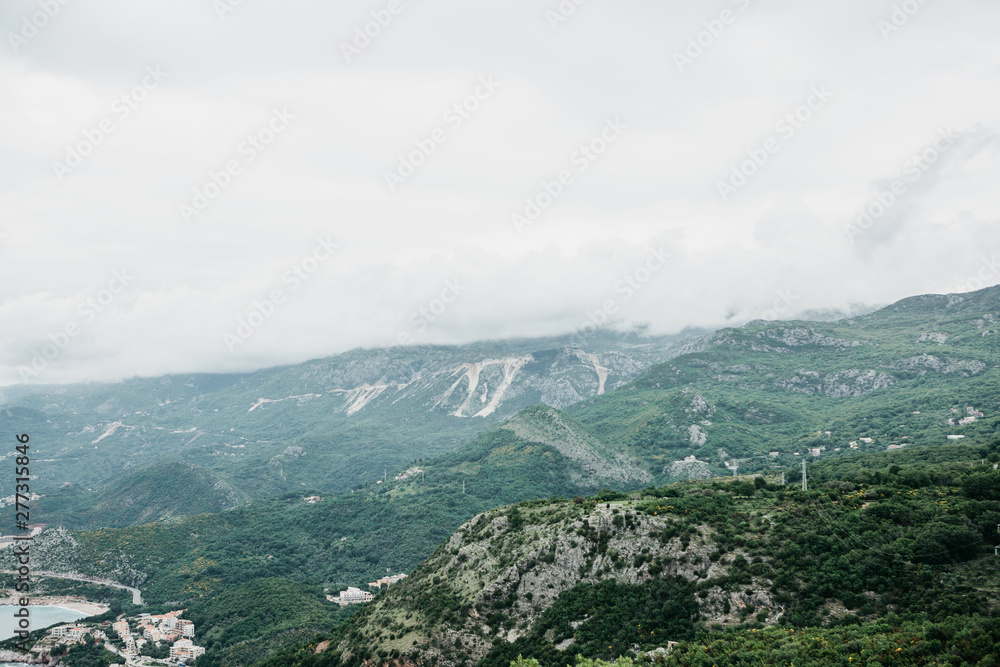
column 885, row 544
column 87, row 654
column 960, row 640
column 620, row 617
column 152, row 494
column 869, row 555
column 261, row 617
column 348, row 539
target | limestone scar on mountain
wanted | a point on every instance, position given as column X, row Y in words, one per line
column 471, row 372
column 301, row 398
column 602, row 372
column 359, row 397
column 108, row 432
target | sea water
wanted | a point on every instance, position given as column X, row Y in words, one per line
column 42, row 616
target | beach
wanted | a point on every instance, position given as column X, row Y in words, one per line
column 72, row 603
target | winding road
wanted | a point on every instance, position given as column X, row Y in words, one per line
column 136, row 593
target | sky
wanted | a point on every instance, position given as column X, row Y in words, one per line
column 226, row 185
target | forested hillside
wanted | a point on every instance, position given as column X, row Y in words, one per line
column 869, row 555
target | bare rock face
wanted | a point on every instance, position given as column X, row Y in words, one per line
column 938, row 337
column 849, row 383
column 520, row 561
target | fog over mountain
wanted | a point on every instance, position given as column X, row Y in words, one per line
column 224, row 186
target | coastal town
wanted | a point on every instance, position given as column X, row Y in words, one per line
column 141, row 640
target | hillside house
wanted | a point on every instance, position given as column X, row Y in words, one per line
column 352, row 596
column 185, row 649
column 387, row 581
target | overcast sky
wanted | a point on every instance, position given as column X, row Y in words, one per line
column 181, row 163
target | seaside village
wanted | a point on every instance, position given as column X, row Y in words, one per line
column 127, row 636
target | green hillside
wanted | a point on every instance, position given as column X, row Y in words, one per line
column 346, row 539
column 894, row 528
column 159, row 492
column 328, row 424
column 260, row 617
column 869, row 549
column 896, row 376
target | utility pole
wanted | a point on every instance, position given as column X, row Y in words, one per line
column 805, row 484
column 782, row 477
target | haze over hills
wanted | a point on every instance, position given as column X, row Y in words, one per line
column 755, row 399
column 328, row 424
column 850, row 395
column 738, row 400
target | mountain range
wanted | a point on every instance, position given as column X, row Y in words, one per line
column 329, row 424
column 713, row 425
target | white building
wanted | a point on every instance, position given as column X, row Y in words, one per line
column 185, row 648
column 353, row 596
column 71, row 631
column 185, row 627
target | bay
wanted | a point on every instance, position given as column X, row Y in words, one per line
column 41, row 616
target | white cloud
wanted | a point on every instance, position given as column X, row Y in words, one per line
column 325, row 174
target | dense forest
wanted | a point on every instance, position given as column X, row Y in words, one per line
column 893, row 555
